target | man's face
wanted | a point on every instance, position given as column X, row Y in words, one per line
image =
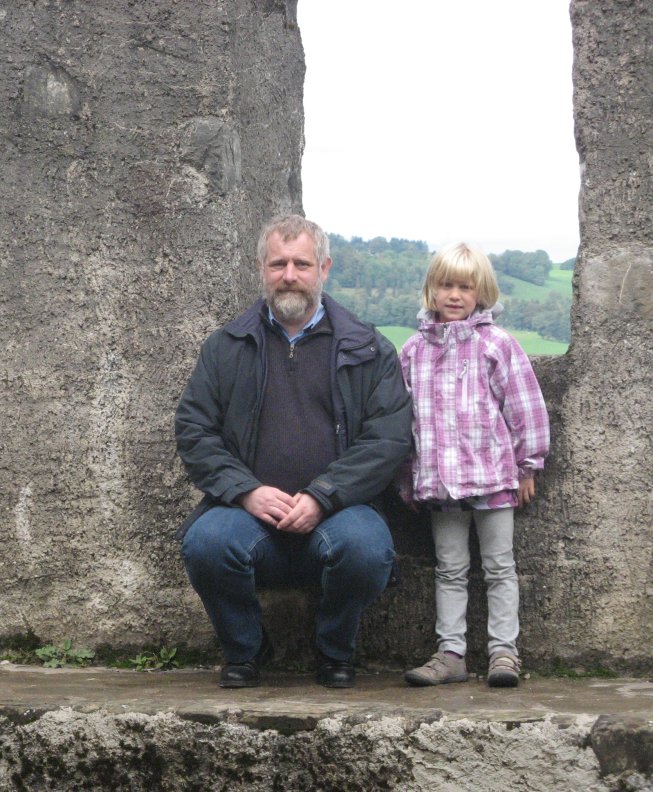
column 292, row 277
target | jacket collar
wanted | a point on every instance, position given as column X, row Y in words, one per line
column 438, row 332
column 350, row 331
column 247, row 323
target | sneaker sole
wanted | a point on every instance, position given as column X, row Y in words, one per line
column 420, row 681
column 503, row 680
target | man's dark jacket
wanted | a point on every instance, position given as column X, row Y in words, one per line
column 217, row 417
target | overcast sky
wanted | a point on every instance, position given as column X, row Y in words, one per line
column 441, row 121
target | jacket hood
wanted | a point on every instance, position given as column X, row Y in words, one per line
column 436, row 332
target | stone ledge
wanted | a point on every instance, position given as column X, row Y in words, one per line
column 193, row 694
column 101, row 728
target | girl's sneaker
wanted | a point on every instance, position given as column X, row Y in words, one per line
column 439, row 670
column 503, row 670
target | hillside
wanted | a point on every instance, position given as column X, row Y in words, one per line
column 381, row 281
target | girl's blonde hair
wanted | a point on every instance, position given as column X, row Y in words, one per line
column 461, row 262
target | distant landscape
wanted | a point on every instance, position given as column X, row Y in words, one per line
column 380, row 280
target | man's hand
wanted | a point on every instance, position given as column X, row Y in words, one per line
column 304, row 516
column 268, row 504
column 526, row 491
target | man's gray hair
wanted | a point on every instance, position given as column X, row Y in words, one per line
column 290, row 227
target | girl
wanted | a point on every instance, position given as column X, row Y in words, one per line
column 480, row 431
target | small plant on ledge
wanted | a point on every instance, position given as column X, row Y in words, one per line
column 163, row 660
column 58, row 656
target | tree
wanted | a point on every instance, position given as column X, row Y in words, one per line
column 381, row 282
column 533, row 267
column 550, row 319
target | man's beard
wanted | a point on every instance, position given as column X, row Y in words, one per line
column 291, row 305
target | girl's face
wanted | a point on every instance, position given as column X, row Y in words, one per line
column 455, row 299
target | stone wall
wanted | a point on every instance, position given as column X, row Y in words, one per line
column 144, row 144
column 587, row 549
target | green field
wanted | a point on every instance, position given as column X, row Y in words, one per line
column 530, row 342
column 397, row 335
column 558, row 280
column 534, row 344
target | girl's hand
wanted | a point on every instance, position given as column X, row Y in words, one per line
column 526, row 491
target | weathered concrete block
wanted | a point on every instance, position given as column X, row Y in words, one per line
column 623, row 745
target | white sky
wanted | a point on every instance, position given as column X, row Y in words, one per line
column 442, row 121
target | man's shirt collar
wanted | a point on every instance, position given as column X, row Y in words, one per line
column 319, row 313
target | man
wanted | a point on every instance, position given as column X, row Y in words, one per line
column 293, row 421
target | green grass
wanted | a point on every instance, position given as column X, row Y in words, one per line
column 558, row 280
column 530, row 342
column 534, row 344
column 396, row 335
column 563, row 277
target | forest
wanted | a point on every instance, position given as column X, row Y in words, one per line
column 380, row 280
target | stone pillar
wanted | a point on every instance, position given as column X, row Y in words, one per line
column 586, row 549
column 143, row 145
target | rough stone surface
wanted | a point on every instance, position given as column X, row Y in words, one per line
column 65, row 750
column 143, row 144
column 99, row 729
column 623, row 745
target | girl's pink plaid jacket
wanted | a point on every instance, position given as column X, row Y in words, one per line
column 479, row 420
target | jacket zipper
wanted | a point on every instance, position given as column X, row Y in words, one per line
column 253, row 437
column 463, row 376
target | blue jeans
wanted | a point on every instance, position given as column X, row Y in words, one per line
column 228, row 554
